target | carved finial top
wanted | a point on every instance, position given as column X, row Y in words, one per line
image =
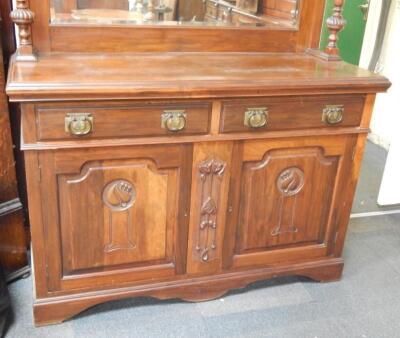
column 335, row 24
column 23, row 17
column 22, row 14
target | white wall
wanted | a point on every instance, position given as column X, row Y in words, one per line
column 385, row 122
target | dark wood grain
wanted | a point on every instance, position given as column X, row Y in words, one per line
column 145, row 38
column 184, row 75
column 201, row 288
column 13, row 245
column 291, row 112
column 210, row 183
column 123, row 121
column 271, row 218
column 132, row 210
column 279, row 8
column 7, row 31
column 130, row 244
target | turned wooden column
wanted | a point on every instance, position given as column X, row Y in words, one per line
column 23, row 17
column 335, row 24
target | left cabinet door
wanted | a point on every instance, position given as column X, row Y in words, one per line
column 114, row 215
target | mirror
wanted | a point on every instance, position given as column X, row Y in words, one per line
column 256, row 13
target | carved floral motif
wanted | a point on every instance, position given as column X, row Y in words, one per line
column 119, row 196
column 211, row 172
column 290, row 182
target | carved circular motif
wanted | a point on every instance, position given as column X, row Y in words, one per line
column 119, row 195
column 290, row 181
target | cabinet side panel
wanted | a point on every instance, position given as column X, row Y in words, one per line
column 33, row 178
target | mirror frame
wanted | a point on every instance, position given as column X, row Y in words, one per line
column 55, row 37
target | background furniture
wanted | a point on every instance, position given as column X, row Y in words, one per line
column 176, row 174
column 13, row 245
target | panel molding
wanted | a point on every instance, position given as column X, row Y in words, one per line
column 282, row 219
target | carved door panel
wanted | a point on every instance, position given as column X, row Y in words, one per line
column 283, row 195
column 115, row 214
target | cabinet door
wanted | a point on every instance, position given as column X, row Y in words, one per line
column 114, row 216
column 283, row 197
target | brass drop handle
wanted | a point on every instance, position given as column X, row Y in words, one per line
column 79, row 124
column 333, row 114
column 173, row 120
column 256, row 117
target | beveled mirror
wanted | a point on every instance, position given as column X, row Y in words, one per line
column 219, row 13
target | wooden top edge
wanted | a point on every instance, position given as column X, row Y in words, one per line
column 183, row 75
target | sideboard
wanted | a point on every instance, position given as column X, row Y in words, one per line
column 179, row 159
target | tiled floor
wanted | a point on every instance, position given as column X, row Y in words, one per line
column 365, row 303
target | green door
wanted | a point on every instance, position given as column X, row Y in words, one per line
column 352, row 36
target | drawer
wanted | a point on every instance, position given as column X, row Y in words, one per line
column 285, row 113
column 117, row 121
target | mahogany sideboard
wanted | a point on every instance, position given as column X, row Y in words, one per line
column 179, row 161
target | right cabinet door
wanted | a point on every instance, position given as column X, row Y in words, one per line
column 284, row 198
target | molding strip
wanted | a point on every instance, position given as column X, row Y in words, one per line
column 10, row 206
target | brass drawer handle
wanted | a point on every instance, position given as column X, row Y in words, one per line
column 333, row 114
column 173, row 120
column 79, row 124
column 256, row 117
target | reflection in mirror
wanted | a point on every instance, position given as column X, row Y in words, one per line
column 263, row 13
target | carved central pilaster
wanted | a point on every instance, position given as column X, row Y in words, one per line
column 211, row 172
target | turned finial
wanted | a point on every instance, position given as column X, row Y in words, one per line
column 335, row 24
column 23, row 17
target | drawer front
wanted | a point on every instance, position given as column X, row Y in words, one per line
column 89, row 122
column 285, row 113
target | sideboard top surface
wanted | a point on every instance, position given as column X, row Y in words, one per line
column 184, row 75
